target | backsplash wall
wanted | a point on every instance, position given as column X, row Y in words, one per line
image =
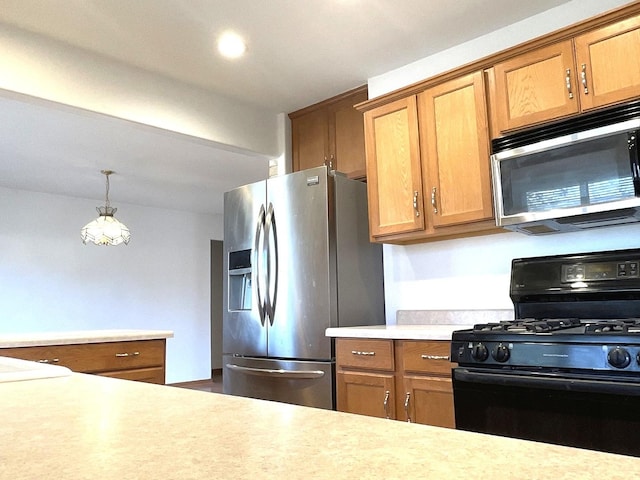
column 473, row 273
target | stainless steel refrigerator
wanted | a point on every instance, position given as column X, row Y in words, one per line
column 297, row 260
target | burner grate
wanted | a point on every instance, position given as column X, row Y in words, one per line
column 625, row 325
column 532, row 325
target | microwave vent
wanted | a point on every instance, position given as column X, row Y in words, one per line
column 576, row 223
column 601, row 219
column 539, row 229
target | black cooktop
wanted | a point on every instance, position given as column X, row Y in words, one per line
column 560, row 326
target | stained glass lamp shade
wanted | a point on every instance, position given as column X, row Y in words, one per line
column 106, row 229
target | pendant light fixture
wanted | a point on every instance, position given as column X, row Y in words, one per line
column 106, row 229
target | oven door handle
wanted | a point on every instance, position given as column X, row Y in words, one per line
column 590, row 384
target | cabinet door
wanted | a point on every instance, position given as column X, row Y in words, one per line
column 608, row 61
column 371, row 394
column 535, row 87
column 346, row 136
column 429, row 401
column 455, row 151
column 309, row 139
column 393, row 168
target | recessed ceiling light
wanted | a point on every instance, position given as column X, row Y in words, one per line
column 231, row 45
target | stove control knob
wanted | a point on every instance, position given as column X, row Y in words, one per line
column 619, row 357
column 479, row 352
column 500, row 353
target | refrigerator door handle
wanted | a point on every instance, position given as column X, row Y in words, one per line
column 258, row 249
column 271, row 372
column 271, row 237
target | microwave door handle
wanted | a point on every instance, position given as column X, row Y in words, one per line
column 634, row 160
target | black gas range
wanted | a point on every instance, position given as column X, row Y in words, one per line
column 566, row 370
column 570, row 344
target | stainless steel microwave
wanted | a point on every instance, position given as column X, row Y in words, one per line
column 579, row 173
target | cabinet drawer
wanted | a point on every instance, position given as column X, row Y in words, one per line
column 369, row 354
column 95, row 357
column 148, row 375
column 426, row 356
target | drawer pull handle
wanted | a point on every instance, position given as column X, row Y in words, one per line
column 407, row 399
column 386, row 404
column 365, row 354
column 45, row 360
column 435, row 357
column 134, row 354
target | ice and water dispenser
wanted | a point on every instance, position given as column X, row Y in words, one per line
column 240, row 280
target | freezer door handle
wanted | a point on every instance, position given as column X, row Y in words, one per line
column 272, row 372
column 271, row 238
column 258, row 250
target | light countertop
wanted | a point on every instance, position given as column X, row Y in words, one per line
column 84, row 426
column 397, row 332
column 33, row 339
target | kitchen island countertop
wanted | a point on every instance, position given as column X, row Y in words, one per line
column 83, row 426
column 40, row 339
column 398, row 332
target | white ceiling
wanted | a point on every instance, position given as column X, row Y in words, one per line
column 299, row 52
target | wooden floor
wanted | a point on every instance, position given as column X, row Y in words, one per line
column 213, row 384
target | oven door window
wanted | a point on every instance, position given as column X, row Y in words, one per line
column 597, row 415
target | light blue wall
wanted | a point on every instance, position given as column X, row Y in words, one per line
column 50, row 281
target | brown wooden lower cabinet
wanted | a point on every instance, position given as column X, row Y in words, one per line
column 141, row 360
column 408, row 380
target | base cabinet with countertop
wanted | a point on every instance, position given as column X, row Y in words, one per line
column 408, row 380
column 130, row 357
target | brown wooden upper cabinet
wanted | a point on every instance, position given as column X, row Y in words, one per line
column 428, row 163
column 330, row 133
column 394, row 171
column 455, row 150
column 591, row 70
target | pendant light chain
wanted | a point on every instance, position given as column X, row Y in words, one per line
column 106, row 202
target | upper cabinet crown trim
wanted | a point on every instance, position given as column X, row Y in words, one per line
column 324, row 103
column 565, row 33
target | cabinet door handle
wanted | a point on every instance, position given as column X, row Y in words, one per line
column 568, row 80
column 415, row 203
column 433, row 200
column 133, row 354
column 329, row 163
column 435, row 357
column 407, row 399
column 583, row 76
column 385, row 404
column 46, row 360
column 365, row 354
